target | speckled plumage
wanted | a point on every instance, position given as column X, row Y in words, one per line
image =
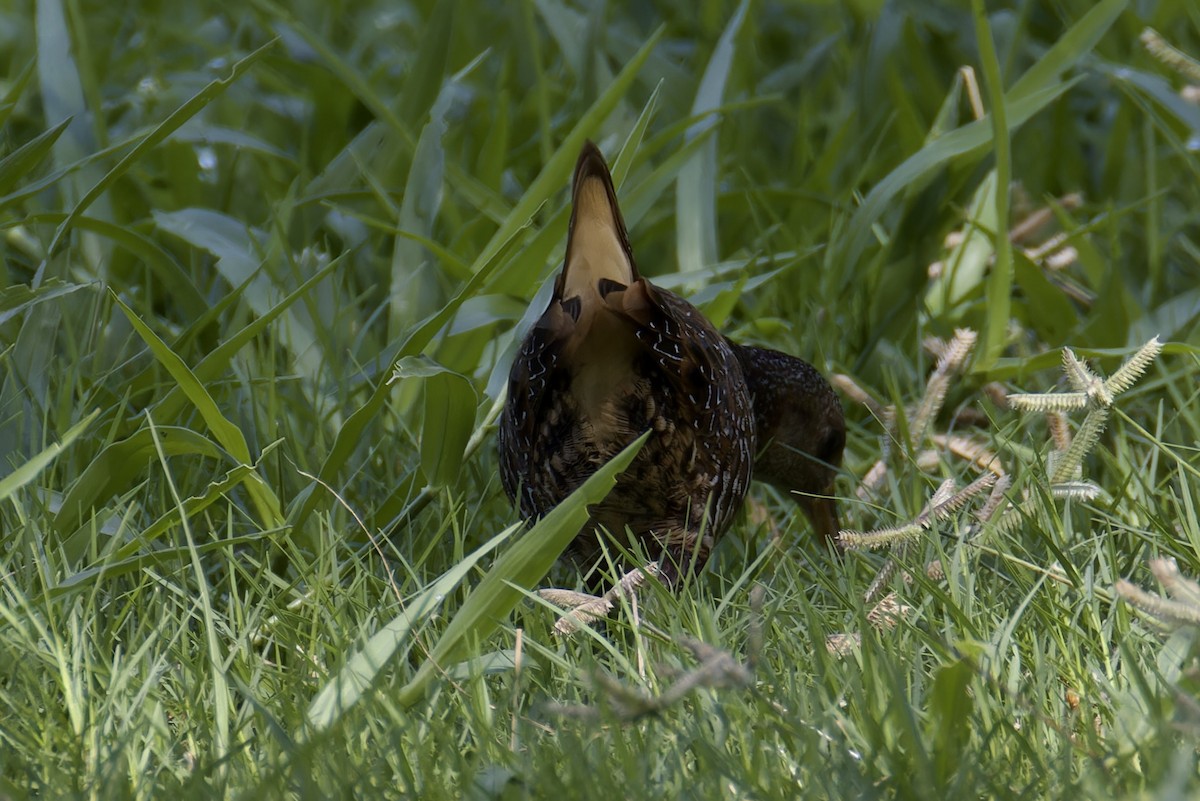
column 607, row 360
column 613, row 356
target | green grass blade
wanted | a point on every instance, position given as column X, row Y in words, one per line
column 969, row 141
column 350, row 433
column 695, row 199
column 58, row 79
column 217, row 361
column 629, row 148
column 119, row 465
column 16, row 88
column 18, row 298
column 351, row 77
column 87, row 579
column 517, row 569
column 411, row 272
column 160, row 132
column 134, row 555
column 966, row 265
column 1079, row 40
column 196, row 132
column 226, row 433
column 152, row 254
column 450, row 403
column 22, row 161
column 55, row 178
column 220, row 701
column 999, row 284
column 32, row 468
column 430, row 66
column 1036, row 89
column 449, row 415
column 361, row 669
column 557, row 171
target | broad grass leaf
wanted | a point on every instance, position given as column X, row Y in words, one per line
column 517, row 569
column 160, row 132
column 22, row 161
column 198, row 132
column 20, row 297
column 450, row 403
column 695, row 199
column 363, row 667
column 1036, row 89
column 62, row 99
column 33, row 467
column 28, row 360
column 226, row 433
column 425, row 75
column 183, row 290
column 231, row 241
column 59, row 87
column 215, row 362
column 965, row 267
column 121, row 464
column 494, row 153
column 951, row 708
column 414, row 285
column 1048, row 311
column 240, row 251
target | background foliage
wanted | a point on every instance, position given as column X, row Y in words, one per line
column 229, row 543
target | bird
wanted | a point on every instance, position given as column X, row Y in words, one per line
column 613, row 356
column 800, row 428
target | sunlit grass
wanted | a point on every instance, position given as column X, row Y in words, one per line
column 263, row 271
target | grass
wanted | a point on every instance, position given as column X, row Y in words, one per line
column 263, row 267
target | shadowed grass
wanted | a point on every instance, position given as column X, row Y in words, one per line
column 236, row 560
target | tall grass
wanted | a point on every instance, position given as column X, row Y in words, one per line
column 264, row 267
